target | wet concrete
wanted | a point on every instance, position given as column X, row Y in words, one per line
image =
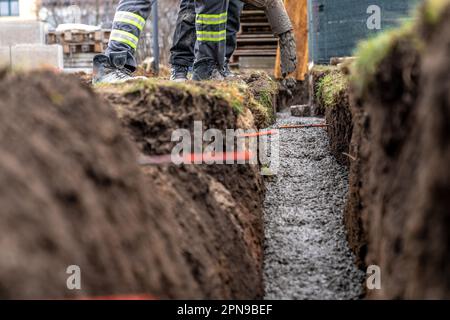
column 306, row 251
column 288, row 53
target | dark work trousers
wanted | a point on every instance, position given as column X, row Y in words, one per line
column 182, row 51
column 211, row 31
column 129, row 21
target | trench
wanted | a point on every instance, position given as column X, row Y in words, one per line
column 306, row 254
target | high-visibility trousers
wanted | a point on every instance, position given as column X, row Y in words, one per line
column 211, row 31
column 210, row 23
column 182, row 51
column 129, row 22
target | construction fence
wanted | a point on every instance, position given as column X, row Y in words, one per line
column 335, row 27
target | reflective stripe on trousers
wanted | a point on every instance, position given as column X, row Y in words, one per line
column 124, row 37
column 130, row 18
column 211, row 25
column 182, row 50
column 129, row 21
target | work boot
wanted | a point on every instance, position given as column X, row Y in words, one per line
column 227, row 73
column 206, row 71
column 179, row 73
column 112, row 68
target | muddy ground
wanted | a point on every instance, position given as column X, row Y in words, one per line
column 292, row 92
column 400, row 183
column 73, row 194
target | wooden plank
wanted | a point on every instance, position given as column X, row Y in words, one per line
column 258, row 48
column 258, row 40
column 98, row 35
column 256, row 35
column 99, row 47
column 243, row 52
column 266, row 63
column 256, row 44
column 67, row 36
column 66, row 48
column 252, row 13
column 255, row 24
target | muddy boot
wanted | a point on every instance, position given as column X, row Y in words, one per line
column 112, row 69
column 227, row 73
column 179, row 73
column 207, row 71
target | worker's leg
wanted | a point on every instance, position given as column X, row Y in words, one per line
column 118, row 60
column 182, row 51
column 129, row 21
column 233, row 26
column 211, row 23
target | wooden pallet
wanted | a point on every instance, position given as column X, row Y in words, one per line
column 96, row 47
column 79, row 41
column 79, row 60
column 256, row 44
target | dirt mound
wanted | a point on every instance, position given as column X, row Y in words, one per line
column 398, row 204
column 72, row 194
column 227, row 199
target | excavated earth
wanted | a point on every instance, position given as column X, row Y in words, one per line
column 226, row 218
column 400, row 181
column 72, row 192
column 391, row 127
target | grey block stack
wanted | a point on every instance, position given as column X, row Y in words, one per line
column 301, row 111
column 22, row 46
column 5, row 56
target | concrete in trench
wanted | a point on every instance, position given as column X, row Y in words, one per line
column 306, row 252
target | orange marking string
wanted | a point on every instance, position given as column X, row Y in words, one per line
column 121, row 297
column 299, row 126
column 192, row 157
column 218, row 156
column 257, row 134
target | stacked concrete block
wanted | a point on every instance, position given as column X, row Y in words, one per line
column 5, row 57
column 22, row 46
column 32, row 56
column 21, row 32
column 301, row 111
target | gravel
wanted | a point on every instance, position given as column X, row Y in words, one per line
column 306, row 251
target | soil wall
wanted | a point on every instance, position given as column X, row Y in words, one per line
column 72, row 193
column 398, row 210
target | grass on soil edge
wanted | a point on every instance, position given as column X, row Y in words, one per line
column 372, row 52
column 331, row 88
column 256, row 96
